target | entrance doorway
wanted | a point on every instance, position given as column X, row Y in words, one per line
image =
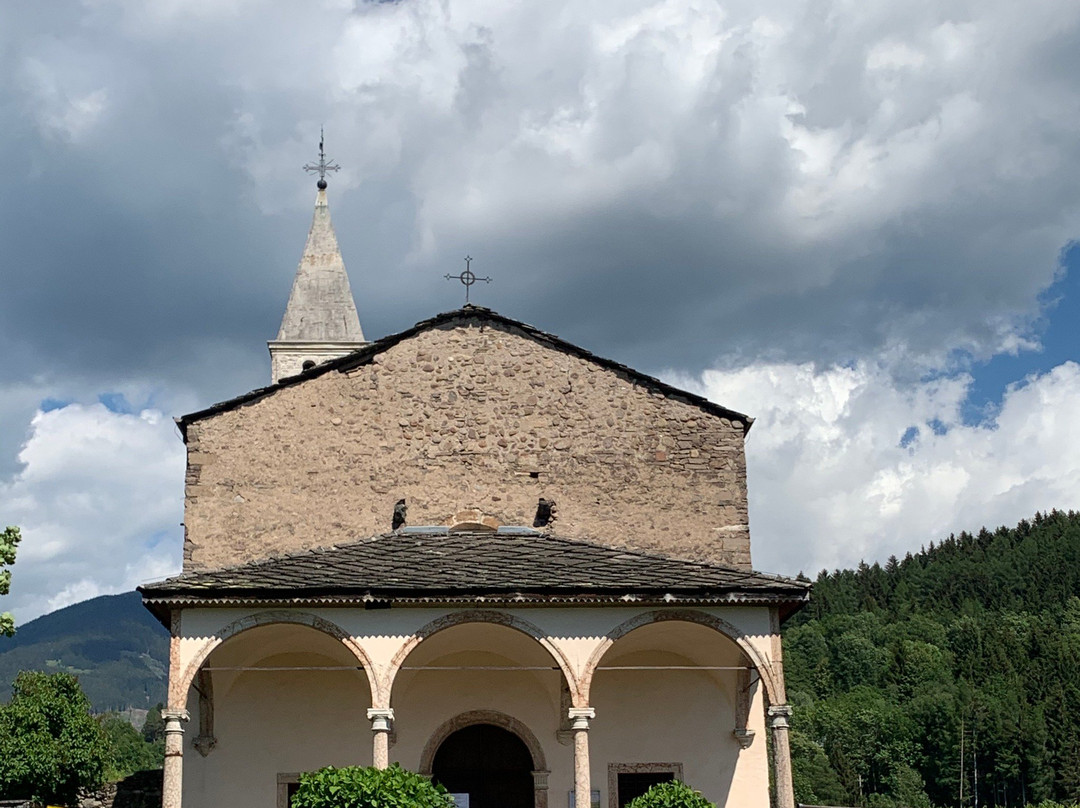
column 490, row 764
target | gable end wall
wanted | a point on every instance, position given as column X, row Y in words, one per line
column 465, row 417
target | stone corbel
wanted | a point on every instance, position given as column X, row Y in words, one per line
column 743, row 685
column 203, row 744
column 204, row 686
column 564, row 734
column 744, row 737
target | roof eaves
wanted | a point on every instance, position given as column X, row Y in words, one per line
column 481, row 597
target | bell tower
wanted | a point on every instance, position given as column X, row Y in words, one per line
column 320, row 321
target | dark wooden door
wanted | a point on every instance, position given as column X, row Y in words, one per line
column 490, row 764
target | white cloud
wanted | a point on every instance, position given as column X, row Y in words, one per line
column 831, row 484
column 99, row 501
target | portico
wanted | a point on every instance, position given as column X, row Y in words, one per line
column 600, row 695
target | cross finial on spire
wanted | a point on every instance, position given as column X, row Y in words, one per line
column 467, row 278
column 323, row 165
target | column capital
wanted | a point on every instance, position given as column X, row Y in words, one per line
column 779, row 715
column 174, row 716
column 380, row 718
column 580, row 716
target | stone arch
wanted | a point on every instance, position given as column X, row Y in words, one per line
column 475, row 616
column 540, row 770
column 763, row 666
column 179, row 687
column 507, row 722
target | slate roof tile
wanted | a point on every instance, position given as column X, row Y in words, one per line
column 458, row 565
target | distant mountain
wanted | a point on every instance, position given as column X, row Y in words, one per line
column 119, row 651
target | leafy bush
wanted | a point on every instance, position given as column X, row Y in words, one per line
column 50, row 745
column 671, row 794
column 129, row 752
column 359, row 787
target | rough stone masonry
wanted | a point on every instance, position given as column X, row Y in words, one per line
column 463, row 415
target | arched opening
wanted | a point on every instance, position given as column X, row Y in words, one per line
column 287, row 698
column 672, row 700
column 490, row 764
column 470, row 670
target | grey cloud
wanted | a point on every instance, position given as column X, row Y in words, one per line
column 672, row 186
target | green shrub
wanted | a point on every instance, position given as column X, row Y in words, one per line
column 671, row 794
column 129, row 752
column 359, row 787
column 50, row 746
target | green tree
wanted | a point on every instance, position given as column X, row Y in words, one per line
column 154, row 727
column 359, row 787
column 961, row 657
column 129, row 752
column 50, row 745
column 9, row 540
column 816, row 783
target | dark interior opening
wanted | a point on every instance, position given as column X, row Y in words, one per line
column 490, row 764
column 634, row 784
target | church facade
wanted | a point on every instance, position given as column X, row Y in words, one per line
column 478, row 551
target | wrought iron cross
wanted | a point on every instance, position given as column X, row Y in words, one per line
column 467, row 278
column 323, row 165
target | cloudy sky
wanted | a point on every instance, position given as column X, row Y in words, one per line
column 855, row 221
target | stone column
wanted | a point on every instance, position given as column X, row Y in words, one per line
column 173, row 774
column 579, row 725
column 380, row 718
column 781, row 755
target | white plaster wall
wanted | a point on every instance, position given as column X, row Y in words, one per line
column 271, row 722
column 293, row 721
column 678, row 716
column 576, row 632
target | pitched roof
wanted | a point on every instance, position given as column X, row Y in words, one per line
column 481, row 316
column 518, row 566
column 321, row 306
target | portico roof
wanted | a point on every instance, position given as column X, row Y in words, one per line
column 516, row 566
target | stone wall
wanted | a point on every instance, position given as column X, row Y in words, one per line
column 466, row 416
column 138, row 790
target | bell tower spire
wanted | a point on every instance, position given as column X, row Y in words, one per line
column 320, row 321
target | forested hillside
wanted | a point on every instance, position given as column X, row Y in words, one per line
column 115, row 646
column 949, row 677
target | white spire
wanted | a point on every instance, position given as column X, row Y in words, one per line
column 320, row 321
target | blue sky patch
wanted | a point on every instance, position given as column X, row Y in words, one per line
column 911, row 434
column 116, row 402
column 50, row 404
column 1060, row 337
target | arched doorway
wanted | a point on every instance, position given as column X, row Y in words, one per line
column 489, row 763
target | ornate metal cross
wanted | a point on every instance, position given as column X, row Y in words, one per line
column 467, row 278
column 323, row 165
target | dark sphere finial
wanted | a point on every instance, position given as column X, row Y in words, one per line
column 321, row 185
